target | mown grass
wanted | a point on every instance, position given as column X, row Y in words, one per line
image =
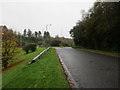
column 21, row 55
column 12, row 72
column 99, row 51
column 45, row 73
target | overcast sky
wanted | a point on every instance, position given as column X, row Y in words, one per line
column 63, row 15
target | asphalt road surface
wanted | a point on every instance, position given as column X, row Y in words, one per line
column 90, row 70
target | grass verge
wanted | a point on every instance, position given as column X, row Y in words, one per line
column 21, row 55
column 45, row 73
column 99, row 51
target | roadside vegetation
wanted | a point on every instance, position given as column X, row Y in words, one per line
column 99, row 27
column 98, row 31
column 18, row 49
column 22, row 56
column 12, row 40
column 9, row 45
column 44, row 73
column 29, row 48
column 45, row 40
column 99, row 51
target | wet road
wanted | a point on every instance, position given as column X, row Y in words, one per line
column 90, row 70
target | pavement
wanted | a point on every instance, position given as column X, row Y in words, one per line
column 90, row 70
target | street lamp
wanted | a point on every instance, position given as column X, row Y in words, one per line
column 47, row 26
column 46, row 30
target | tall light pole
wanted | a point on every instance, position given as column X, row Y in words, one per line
column 47, row 26
column 46, row 30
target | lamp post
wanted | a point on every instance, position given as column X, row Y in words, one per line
column 47, row 26
column 46, row 31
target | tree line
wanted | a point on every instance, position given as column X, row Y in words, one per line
column 12, row 40
column 29, row 33
column 35, row 34
column 99, row 27
column 45, row 40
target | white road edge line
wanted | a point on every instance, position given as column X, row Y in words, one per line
column 69, row 76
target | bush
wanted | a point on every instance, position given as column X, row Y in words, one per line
column 32, row 47
column 26, row 49
column 29, row 47
column 40, row 43
column 55, row 43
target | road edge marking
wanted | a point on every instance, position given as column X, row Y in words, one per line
column 69, row 77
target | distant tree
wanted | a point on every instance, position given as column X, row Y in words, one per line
column 27, row 40
column 46, row 34
column 18, row 39
column 29, row 33
column 57, row 36
column 39, row 33
column 25, row 33
column 36, row 34
column 55, row 43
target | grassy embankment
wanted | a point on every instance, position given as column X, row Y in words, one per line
column 45, row 73
column 99, row 51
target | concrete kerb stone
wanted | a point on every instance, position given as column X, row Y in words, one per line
column 69, row 77
column 38, row 56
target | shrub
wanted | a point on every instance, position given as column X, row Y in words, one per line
column 32, row 47
column 40, row 43
column 55, row 43
column 29, row 47
column 26, row 49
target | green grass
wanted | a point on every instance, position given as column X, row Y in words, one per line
column 21, row 55
column 99, row 51
column 45, row 73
